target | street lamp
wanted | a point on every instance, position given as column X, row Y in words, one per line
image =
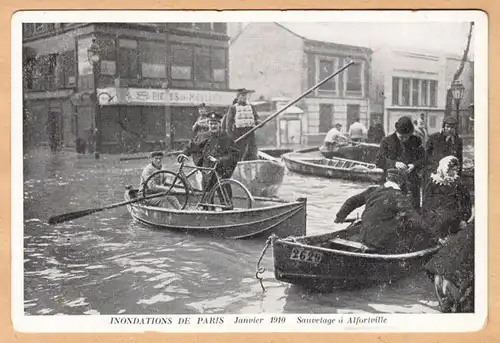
column 94, row 58
column 457, row 91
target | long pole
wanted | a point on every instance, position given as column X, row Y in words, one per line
column 291, row 103
column 97, row 115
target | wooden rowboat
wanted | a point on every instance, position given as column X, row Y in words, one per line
column 363, row 152
column 334, row 168
column 262, row 177
column 267, row 216
column 333, row 261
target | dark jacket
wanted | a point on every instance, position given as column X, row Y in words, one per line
column 376, row 133
column 392, row 150
column 218, row 145
column 389, row 222
column 445, row 206
column 437, row 147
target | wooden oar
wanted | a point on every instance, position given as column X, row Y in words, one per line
column 78, row 214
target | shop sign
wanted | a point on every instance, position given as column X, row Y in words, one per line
column 195, row 97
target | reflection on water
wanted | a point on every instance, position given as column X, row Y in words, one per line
column 108, row 264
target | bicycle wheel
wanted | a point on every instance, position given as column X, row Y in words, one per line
column 239, row 196
column 175, row 182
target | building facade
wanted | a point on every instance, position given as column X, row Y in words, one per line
column 408, row 83
column 278, row 62
column 151, row 79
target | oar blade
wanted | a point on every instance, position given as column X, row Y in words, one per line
column 72, row 215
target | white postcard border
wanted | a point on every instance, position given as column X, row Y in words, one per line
column 376, row 322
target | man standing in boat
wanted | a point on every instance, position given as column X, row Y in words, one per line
column 404, row 151
column 201, row 124
column 390, row 224
column 240, row 118
column 357, row 131
column 157, row 184
column 210, row 148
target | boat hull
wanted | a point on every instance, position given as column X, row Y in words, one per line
column 330, row 269
column 269, row 217
column 323, row 167
column 364, row 152
column 261, row 177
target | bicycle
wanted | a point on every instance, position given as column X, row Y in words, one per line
column 183, row 188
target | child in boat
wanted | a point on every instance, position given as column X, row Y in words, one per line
column 157, row 184
column 390, row 224
column 446, row 202
column 452, row 272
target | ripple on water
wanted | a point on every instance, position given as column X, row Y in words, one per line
column 156, row 299
column 76, row 303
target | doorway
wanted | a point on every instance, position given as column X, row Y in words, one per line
column 352, row 114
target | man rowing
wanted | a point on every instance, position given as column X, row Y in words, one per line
column 157, row 184
column 241, row 118
column 335, row 138
column 210, row 148
column 390, row 224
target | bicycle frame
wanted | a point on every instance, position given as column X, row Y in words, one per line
column 191, row 190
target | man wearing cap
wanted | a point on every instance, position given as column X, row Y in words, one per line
column 444, row 143
column 240, row 118
column 157, row 184
column 213, row 146
column 403, row 150
column 201, row 124
column 389, row 223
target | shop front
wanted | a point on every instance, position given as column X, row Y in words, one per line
column 141, row 119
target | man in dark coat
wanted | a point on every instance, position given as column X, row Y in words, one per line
column 390, row 224
column 404, row 151
column 241, row 118
column 210, row 148
column 444, row 143
column 452, row 271
column 376, row 132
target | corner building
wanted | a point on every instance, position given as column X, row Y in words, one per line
column 152, row 78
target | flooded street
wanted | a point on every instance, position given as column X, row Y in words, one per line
column 106, row 263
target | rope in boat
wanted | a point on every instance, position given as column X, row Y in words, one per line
column 260, row 270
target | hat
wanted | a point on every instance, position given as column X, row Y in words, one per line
column 214, row 116
column 157, row 154
column 404, row 125
column 202, row 105
column 450, row 120
column 396, row 174
column 242, row 91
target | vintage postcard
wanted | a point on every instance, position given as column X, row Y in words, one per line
column 249, row 171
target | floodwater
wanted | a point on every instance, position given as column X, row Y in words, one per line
column 106, row 263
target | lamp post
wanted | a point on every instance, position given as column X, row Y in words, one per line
column 457, row 90
column 94, row 58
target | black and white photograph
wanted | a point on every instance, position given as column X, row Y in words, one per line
column 249, row 171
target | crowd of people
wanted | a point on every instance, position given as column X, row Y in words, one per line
column 420, row 204
column 396, row 220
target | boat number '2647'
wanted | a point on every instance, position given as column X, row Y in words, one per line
column 304, row 255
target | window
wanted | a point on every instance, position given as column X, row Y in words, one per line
column 432, row 122
column 406, row 93
column 202, row 64
column 425, row 91
column 353, row 83
column 67, row 71
column 325, row 70
column 51, row 27
column 127, row 58
column 182, row 62
column 395, row 90
column 203, row 26
column 219, row 65
column 415, row 90
column 153, row 60
column 433, row 93
column 220, row 28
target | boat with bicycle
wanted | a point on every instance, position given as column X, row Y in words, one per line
column 227, row 210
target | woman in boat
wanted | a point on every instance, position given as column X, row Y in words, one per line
column 211, row 147
column 446, row 203
column 390, row 224
column 241, row 118
column 157, row 184
column 452, row 272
